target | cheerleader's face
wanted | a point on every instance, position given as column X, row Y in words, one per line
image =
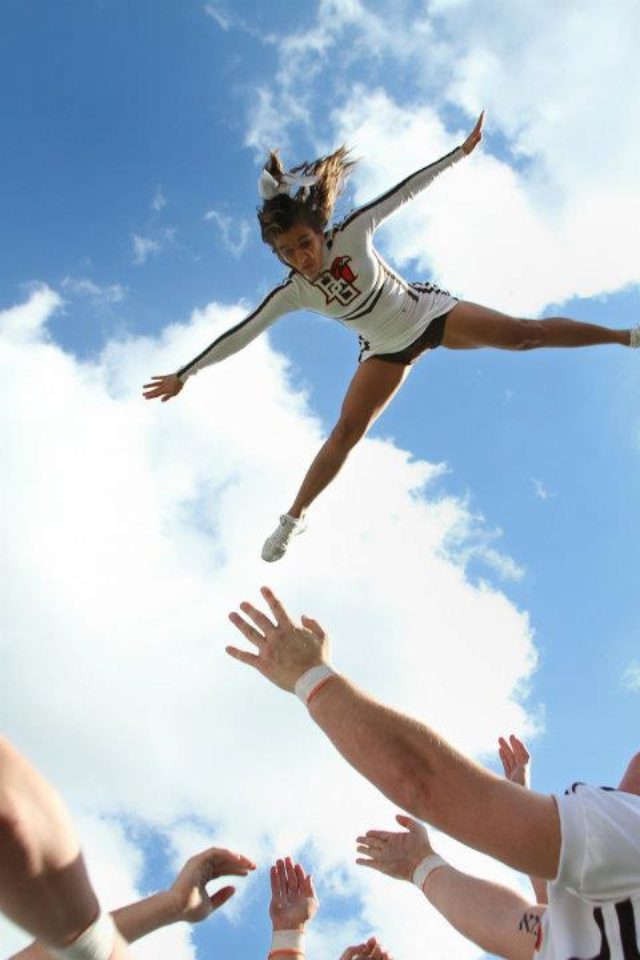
column 302, row 248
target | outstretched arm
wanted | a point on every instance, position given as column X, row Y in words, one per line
column 373, row 214
column 409, row 762
column 44, row 886
column 280, row 301
column 185, row 900
column 495, row 918
column 516, row 760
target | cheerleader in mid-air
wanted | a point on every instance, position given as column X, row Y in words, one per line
column 337, row 271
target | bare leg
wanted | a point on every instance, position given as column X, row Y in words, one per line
column 470, row 325
column 372, row 388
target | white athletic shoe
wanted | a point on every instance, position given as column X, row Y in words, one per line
column 634, row 339
column 276, row 545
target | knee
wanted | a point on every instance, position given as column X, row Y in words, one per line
column 347, row 432
column 529, row 335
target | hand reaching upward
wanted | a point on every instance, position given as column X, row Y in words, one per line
column 396, row 854
column 371, row 950
column 293, row 896
column 188, row 892
column 516, row 761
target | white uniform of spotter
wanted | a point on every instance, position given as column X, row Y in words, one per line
column 355, row 286
column 594, row 902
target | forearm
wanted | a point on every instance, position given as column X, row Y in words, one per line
column 420, row 772
column 495, row 918
column 44, row 887
column 139, row 919
column 540, row 890
column 133, row 921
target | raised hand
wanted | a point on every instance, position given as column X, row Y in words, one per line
column 285, row 650
column 293, row 896
column 396, row 854
column 164, row 386
column 515, row 760
column 370, row 949
column 475, row 136
column 191, row 902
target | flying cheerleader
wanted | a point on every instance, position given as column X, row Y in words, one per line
column 337, row 271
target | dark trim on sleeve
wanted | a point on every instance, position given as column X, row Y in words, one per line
column 389, row 193
column 188, row 366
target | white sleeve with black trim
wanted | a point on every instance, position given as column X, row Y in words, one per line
column 373, row 214
column 282, row 299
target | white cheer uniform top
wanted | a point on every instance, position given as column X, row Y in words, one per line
column 594, row 902
column 355, row 286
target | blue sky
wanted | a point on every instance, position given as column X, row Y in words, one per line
column 132, row 138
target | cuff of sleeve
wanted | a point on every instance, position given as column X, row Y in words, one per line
column 287, row 943
column 425, row 868
column 312, row 681
column 572, row 840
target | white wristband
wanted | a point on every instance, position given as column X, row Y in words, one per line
column 96, row 943
column 311, row 681
column 425, row 867
column 287, row 941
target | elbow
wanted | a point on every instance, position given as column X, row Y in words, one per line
column 15, row 847
column 414, row 788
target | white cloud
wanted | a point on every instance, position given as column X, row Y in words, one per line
column 143, row 248
column 223, row 19
column 631, row 677
column 100, row 294
column 136, row 526
column 234, row 234
column 159, row 200
column 556, row 217
column 540, row 491
column 149, row 247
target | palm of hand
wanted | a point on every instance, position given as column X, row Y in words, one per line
column 296, row 910
column 396, row 854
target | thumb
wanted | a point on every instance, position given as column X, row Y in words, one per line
column 407, row 822
column 313, row 625
column 221, row 896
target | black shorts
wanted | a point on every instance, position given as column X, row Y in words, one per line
column 429, row 340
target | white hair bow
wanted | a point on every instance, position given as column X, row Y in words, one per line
column 269, row 187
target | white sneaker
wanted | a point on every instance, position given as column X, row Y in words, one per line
column 276, row 545
column 634, row 336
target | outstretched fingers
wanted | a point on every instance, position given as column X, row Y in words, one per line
column 277, row 609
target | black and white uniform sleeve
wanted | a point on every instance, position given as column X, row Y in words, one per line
column 373, row 214
column 600, row 855
column 282, row 299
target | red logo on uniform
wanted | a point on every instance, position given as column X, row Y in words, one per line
column 340, row 269
column 338, row 282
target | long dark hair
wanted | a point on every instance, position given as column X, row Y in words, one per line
column 313, row 205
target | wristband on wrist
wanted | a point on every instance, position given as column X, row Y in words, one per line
column 312, row 681
column 287, row 943
column 96, row 943
column 425, row 868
